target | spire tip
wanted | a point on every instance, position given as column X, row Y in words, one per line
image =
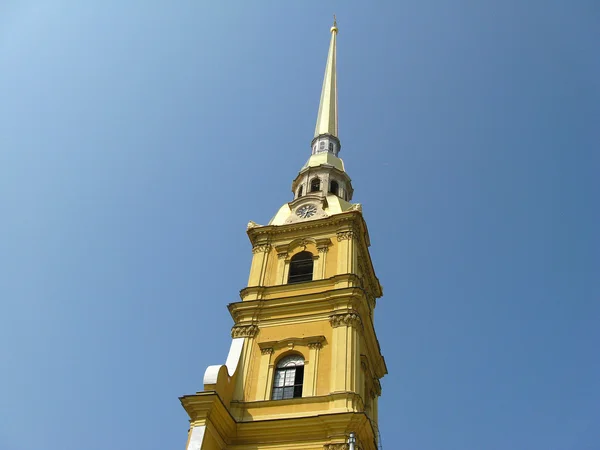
column 334, row 27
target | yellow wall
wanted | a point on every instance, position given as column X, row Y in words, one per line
column 327, row 320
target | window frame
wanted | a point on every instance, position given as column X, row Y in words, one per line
column 315, row 182
column 298, row 268
column 288, row 379
column 337, row 187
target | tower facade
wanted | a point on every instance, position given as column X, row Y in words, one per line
column 304, row 365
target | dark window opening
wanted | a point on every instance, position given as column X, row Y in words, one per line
column 300, row 192
column 334, row 188
column 289, row 377
column 301, row 268
column 315, row 185
column 331, row 147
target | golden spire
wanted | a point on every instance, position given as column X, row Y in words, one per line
column 327, row 120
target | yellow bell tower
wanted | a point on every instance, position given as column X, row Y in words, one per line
column 304, row 365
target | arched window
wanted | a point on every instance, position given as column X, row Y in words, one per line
column 334, row 188
column 300, row 192
column 315, row 185
column 301, row 268
column 322, row 145
column 331, row 146
column 288, row 378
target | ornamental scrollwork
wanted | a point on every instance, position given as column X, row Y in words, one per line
column 282, row 255
column 350, row 319
column 267, row 351
column 315, row 345
column 345, row 235
column 261, row 248
column 335, row 447
column 242, row 331
column 377, row 386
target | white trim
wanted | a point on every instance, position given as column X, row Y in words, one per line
column 235, row 352
column 196, row 438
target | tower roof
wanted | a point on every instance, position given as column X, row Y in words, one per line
column 327, row 119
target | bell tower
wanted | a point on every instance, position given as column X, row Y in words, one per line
column 304, row 365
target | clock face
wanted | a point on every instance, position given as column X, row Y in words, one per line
column 306, row 211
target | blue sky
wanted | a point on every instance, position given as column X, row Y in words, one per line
column 138, row 138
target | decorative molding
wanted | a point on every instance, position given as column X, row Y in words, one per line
column 339, row 220
column 315, row 345
column 323, row 244
column 377, row 386
column 291, row 342
column 356, row 207
column 335, row 447
column 267, row 351
column 282, row 255
column 240, row 331
column 252, row 224
column 345, row 235
column 348, row 319
column 261, row 248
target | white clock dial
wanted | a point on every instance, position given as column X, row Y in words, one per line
column 306, row 211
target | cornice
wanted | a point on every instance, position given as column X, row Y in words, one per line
column 352, row 398
column 296, row 307
column 207, row 405
column 329, row 428
column 297, row 289
column 208, row 408
column 270, row 231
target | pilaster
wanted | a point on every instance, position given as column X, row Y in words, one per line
column 346, row 252
column 346, row 351
column 311, row 370
column 248, row 332
column 265, row 373
column 259, row 264
column 323, row 249
column 282, row 264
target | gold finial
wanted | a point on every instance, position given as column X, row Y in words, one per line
column 327, row 120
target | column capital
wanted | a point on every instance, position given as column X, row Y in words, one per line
column 335, row 447
column 348, row 319
column 315, row 345
column 261, row 248
column 242, row 331
column 345, row 235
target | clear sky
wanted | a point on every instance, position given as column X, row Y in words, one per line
column 138, row 138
